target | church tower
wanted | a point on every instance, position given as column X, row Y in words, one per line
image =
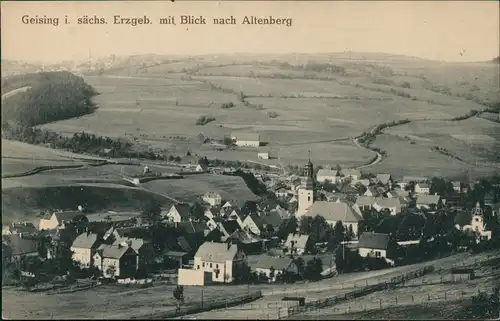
column 306, row 194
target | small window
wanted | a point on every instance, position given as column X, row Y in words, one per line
column 378, row 254
column 217, row 266
column 210, row 265
column 198, row 266
column 309, row 198
column 203, row 264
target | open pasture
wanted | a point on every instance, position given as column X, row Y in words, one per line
column 473, row 139
column 110, row 302
column 191, row 188
column 404, row 158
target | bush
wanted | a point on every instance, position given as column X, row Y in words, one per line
column 203, row 120
column 272, row 114
column 227, row 105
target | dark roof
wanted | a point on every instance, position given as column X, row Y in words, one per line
column 278, row 263
column 25, row 227
column 184, row 244
column 175, row 253
column 192, row 227
column 374, row 241
column 245, row 237
column 67, row 215
column 272, row 218
column 239, row 212
column 183, row 209
column 230, row 226
column 17, row 245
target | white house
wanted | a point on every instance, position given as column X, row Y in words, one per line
column 83, row 248
column 221, row 259
column 326, row 175
column 365, row 203
column 212, row 198
column 334, row 212
column 275, row 266
column 178, row 213
column 281, row 192
column 385, row 179
column 422, row 188
column 374, row 245
column 246, row 139
column 352, row 174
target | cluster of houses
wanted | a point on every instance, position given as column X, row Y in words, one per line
column 228, row 235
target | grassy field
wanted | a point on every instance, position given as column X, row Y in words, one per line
column 156, row 103
column 111, row 302
column 434, row 287
column 405, row 158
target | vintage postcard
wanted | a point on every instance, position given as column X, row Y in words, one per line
column 250, row 159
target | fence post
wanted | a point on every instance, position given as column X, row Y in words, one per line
column 412, row 299
column 396, row 299
column 380, row 302
column 366, row 282
column 428, row 297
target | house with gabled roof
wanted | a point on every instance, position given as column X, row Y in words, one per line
column 409, row 179
column 260, row 223
column 57, row 219
column 228, row 227
column 15, row 247
column 422, row 188
column 376, row 245
column 365, row 203
column 221, row 259
column 394, row 205
column 334, row 212
column 326, row 175
column 372, row 191
column 427, row 201
column 144, row 250
column 84, row 247
column 385, row 179
column 244, row 139
column 248, row 242
column 25, row 229
column 237, row 215
column 212, row 198
column 117, row 260
column 178, row 213
column 274, row 266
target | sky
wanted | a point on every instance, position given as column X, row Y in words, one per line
column 438, row 30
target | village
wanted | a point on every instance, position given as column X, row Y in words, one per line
column 308, row 227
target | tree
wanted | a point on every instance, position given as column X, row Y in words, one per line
column 196, row 211
column 110, row 271
column 81, row 223
column 313, row 269
column 179, row 295
column 272, row 273
column 151, row 212
column 288, row 226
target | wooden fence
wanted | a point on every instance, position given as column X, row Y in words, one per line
column 321, row 303
column 205, row 306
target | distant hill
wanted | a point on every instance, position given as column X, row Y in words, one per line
column 52, row 96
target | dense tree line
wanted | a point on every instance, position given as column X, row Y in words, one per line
column 53, row 96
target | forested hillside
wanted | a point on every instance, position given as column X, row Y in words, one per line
column 52, row 96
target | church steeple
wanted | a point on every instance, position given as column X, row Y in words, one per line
column 309, row 174
column 306, row 193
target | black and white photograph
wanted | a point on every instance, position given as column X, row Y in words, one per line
column 250, row 160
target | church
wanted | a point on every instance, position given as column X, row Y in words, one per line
column 332, row 212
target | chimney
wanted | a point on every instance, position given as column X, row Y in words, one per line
column 229, row 244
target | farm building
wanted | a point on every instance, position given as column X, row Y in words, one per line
column 394, row 205
column 201, row 168
column 246, row 139
column 462, row 274
column 21, row 228
column 178, row 213
column 263, row 155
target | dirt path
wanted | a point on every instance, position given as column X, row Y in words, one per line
column 14, row 92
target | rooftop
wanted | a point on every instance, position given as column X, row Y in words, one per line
column 377, row 241
column 333, row 211
column 217, row 252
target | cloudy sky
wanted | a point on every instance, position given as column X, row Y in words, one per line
column 450, row 31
